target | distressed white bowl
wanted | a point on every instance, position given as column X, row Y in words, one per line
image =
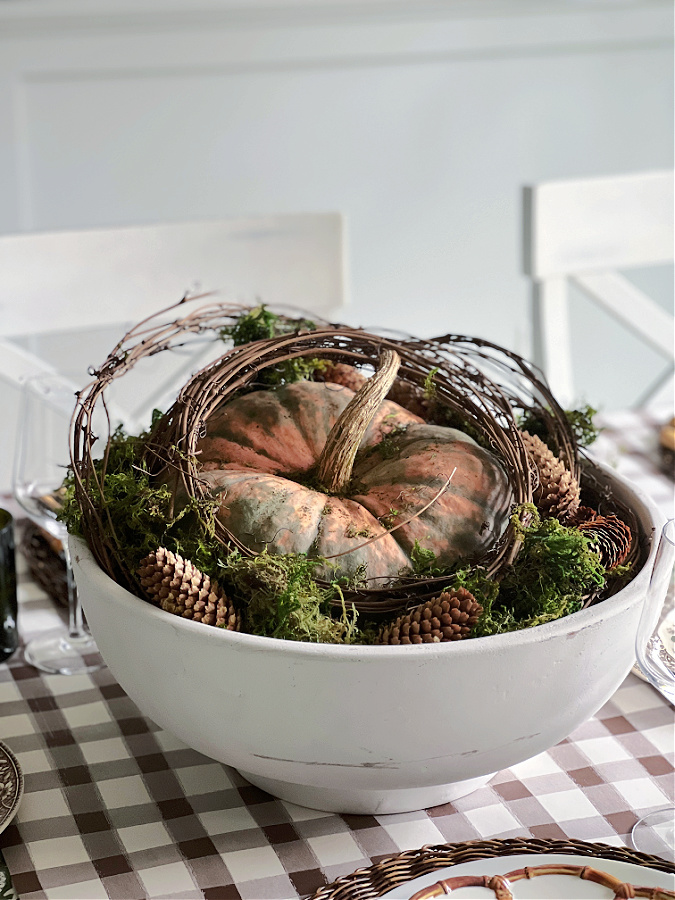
column 367, row 729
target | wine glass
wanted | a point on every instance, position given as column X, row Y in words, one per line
column 39, row 469
column 655, row 650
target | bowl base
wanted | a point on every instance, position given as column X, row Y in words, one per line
column 362, row 802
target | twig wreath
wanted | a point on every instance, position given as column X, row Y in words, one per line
column 471, row 383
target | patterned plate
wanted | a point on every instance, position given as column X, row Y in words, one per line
column 560, row 875
column 399, row 877
column 11, row 785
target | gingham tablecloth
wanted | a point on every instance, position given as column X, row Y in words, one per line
column 115, row 807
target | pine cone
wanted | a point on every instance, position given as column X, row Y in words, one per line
column 610, row 537
column 557, row 493
column 448, row 617
column 343, row 374
column 411, row 397
column 582, row 514
column 180, row 588
column 667, row 448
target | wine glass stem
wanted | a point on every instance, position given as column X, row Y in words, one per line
column 75, row 624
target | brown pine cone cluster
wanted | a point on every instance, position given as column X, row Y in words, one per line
column 448, row 617
column 557, row 493
column 180, row 588
column 609, row 535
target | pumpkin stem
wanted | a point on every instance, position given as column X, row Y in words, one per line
column 338, row 455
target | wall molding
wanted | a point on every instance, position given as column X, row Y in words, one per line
column 584, row 26
column 61, row 42
column 419, row 119
column 38, row 18
column 64, row 76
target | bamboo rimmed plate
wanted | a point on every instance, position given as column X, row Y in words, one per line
column 11, row 785
column 400, row 877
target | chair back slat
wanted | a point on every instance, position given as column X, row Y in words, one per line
column 104, row 276
column 598, row 223
column 582, row 232
column 631, row 306
column 67, row 297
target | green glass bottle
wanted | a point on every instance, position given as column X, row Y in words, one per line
column 9, row 635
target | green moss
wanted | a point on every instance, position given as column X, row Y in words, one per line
column 555, row 569
column 429, row 385
column 367, row 634
column 580, row 421
column 282, row 599
column 484, row 589
column 423, row 561
column 583, row 427
column 280, row 595
column 388, row 520
column 292, row 370
column 355, row 582
column 389, row 447
column 139, row 510
column 352, row 532
column 260, row 323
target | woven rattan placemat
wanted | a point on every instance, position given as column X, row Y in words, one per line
column 374, row 881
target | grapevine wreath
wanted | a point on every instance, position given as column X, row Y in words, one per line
column 320, row 482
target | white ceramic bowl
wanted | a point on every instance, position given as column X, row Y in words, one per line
column 367, row 729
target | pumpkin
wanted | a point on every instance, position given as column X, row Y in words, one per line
column 314, row 468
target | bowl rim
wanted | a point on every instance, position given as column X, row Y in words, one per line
column 568, row 625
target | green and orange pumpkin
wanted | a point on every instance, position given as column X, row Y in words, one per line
column 314, row 468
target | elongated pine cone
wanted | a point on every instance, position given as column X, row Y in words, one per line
column 448, row 617
column 610, row 537
column 180, row 588
column 557, row 493
column 342, row 374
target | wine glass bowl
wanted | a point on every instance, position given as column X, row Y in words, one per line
column 655, row 652
column 655, row 641
column 40, row 466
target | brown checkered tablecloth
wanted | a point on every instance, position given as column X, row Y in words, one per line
column 116, row 807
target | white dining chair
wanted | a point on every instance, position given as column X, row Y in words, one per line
column 66, row 297
column 583, row 232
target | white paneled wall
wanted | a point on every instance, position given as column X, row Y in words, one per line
column 419, row 120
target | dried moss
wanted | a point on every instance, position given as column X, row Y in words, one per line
column 280, row 595
column 292, row 370
column 429, row 386
column 389, row 520
column 555, row 569
column 388, row 447
column 583, row 427
column 352, row 532
column 281, row 598
column 424, row 561
column 140, row 509
column 260, row 323
column 580, row 420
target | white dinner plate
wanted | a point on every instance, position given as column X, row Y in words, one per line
column 544, row 887
column 11, row 785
